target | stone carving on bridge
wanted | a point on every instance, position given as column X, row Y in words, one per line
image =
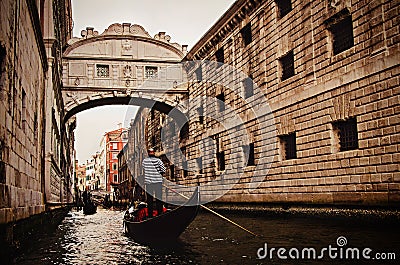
column 127, row 71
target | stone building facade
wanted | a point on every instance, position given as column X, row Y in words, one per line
column 328, row 74
column 36, row 147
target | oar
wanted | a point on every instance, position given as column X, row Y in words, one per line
column 214, row 212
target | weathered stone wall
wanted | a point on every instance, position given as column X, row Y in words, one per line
column 361, row 82
column 21, row 101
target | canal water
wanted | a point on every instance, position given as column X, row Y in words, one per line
column 99, row 239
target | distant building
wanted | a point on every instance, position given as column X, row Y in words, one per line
column 114, row 142
column 80, row 176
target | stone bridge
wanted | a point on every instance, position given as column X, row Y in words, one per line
column 123, row 65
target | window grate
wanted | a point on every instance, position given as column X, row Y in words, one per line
column 199, row 74
column 348, row 135
column 221, row 102
column 248, row 87
column 246, row 34
column 219, row 55
column 151, row 71
column 103, row 70
column 289, row 146
column 342, row 34
column 249, row 154
column 287, row 63
column 221, row 160
column 284, row 7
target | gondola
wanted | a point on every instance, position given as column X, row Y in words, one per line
column 89, row 208
column 165, row 227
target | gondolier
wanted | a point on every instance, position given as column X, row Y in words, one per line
column 153, row 170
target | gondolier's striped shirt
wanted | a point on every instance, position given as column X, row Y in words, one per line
column 153, row 168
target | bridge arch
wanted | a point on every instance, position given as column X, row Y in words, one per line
column 124, row 65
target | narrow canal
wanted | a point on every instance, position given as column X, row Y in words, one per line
column 99, row 239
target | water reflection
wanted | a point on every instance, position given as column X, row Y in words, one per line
column 99, row 239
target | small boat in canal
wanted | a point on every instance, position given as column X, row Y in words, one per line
column 165, row 227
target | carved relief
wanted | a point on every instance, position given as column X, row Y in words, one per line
column 126, row 45
column 127, row 71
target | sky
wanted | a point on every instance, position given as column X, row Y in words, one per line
column 186, row 21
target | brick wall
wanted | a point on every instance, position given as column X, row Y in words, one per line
column 361, row 82
column 20, row 111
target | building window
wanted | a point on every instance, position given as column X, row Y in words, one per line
column 200, row 112
column 221, row 160
column 2, row 62
column 114, row 166
column 199, row 74
column 200, row 164
column 246, row 34
column 249, row 154
column 151, row 71
column 288, row 146
column 115, row 146
column 184, row 132
column 342, row 34
column 287, row 65
column 346, row 134
column 172, row 172
column 219, row 55
column 114, row 156
column 221, row 102
column 23, row 112
column 103, row 70
column 248, row 87
column 284, row 7
column 115, row 178
column 184, row 163
column 220, row 154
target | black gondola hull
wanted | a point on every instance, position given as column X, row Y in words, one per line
column 165, row 227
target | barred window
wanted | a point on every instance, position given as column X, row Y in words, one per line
column 199, row 74
column 103, row 70
column 219, row 55
column 248, row 87
column 200, row 112
column 184, row 163
column 249, row 154
column 221, row 102
column 151, row 71
column 246, row 34
column 342, row 35
column 287, row 65
column 221, row 160
column 347, row 134
column 284, row 7
column 200, row 164
column 184, row 132
column 288, row 146
column 172, row 172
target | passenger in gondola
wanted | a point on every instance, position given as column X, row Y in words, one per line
column 153, row 179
